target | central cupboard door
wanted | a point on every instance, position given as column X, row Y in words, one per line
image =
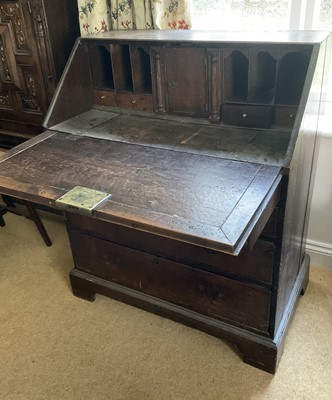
column 186, row 81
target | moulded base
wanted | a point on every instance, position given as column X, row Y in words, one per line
column 259, row 351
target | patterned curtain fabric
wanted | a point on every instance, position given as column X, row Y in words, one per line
column 103, row 15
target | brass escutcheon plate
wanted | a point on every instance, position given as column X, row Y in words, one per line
column 81, row 200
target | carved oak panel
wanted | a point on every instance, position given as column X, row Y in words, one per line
column 36, row 37
column 11, row 13
column 20, row 70
column 8, row 68
column 30, row 99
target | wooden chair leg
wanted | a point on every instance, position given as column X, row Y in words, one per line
column 39, row 224
column 2, row 212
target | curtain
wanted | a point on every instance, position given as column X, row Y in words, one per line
column 103, row 15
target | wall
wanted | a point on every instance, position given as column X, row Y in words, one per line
column 319, row 242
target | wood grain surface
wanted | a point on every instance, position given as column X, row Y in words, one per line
column 205, row 200
column 254, row 145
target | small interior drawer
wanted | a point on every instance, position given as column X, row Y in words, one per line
column 135, row 102
column 247, row 115
column 285, row 115
column 207, row 293
column 104, row 98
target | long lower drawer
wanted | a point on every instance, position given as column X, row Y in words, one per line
column 255, row 265
column 239, row 303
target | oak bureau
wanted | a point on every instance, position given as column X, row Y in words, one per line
column 183, row 161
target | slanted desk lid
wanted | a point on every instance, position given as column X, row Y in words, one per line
column 208, row 201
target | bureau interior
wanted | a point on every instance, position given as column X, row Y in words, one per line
column 228, row 91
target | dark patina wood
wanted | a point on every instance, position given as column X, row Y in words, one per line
column 226, row 299
column 205, row 142
column 148, row 184
column 255, row 265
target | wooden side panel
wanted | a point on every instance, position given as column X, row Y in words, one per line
column 300, row 185
column 74, row 94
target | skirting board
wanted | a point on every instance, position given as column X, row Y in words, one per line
column 320, row 253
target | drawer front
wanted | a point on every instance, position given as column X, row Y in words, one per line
column 285, row 116
column 104, row 98
column 135, row 102
column 255, row 265
column 207, row 293
column 247, row 115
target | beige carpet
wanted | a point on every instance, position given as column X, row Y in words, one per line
column 56, row 346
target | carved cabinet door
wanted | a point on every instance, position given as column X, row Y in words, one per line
column 24, row 86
